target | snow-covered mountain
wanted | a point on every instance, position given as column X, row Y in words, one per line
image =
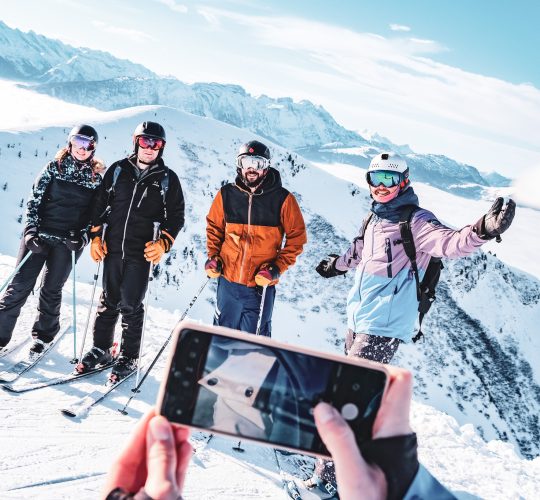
column 33, row 57
column 97, row 79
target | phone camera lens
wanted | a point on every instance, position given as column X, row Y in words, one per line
column 248, row 392
column 355, row 387
column 212, row 381
column 177, row 374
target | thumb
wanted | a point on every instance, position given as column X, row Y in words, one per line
column 148, row 243
column 161, row 460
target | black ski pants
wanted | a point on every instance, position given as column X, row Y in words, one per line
column 124, row 287
column 57, row 261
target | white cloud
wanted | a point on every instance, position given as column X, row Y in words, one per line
column 135, row 35
column 173, row 5
column 394, row 86
column 399, row 27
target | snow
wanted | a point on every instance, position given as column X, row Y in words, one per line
column 42, row 449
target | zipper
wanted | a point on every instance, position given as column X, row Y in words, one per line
column 142, row 197
column 388, row 251
column 129, row 211
column 250, row 195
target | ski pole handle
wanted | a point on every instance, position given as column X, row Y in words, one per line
column 156, row 231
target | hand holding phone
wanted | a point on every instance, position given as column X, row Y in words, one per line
column 254, row 388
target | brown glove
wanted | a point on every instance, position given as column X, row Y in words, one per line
column 98, row 248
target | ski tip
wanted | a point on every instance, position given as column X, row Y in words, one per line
column 9, row 388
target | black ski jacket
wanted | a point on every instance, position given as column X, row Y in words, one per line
column 134, row 204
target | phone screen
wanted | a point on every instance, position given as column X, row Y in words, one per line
column 265, row 393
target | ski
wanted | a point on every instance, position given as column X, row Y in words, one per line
column 26, row 362
column 13, row 346
column 80, row 407
column 63, row 379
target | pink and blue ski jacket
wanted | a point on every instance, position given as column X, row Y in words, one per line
column 383, row 299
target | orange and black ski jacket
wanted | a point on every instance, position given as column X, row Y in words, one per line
column 246, row 229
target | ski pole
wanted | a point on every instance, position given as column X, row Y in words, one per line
column 154, row 361
column 21, row 263
column 74, row 300
column 96, row 276
column 150, row 279
column 259, row 321
column 238, row 447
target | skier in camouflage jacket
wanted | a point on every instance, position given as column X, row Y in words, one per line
column 57, row 224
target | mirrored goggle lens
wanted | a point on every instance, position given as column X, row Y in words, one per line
column 150, row 142
column 386, row 178
column 82, row 141
column 255, row 162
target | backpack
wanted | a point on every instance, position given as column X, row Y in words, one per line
column 110, row 191
column 425, row 289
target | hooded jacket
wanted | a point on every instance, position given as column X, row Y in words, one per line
column 61, row 197
column 246, row 229
column 383, row 299
column 135, row 203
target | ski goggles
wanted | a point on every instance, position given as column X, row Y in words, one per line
column 255, row 162
column 387, row 178
column 153, row 143
column 83, row 141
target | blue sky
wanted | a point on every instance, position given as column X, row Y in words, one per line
column 460, row 78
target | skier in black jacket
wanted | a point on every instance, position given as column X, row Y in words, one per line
column 58, row 219
column 136, row 192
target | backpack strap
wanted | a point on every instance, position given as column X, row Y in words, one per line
column 408, row 242
column 360, row 237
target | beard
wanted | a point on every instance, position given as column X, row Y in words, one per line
column 255, row 181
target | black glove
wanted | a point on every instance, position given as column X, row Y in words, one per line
column 398, row 459
column 76, row 243
column 32, row 240
column 496, row 221
column 327, row 267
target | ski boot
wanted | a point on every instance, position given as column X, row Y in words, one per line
column 37, row 347
column 321, row 488
column 123, row 367
column 93, row 358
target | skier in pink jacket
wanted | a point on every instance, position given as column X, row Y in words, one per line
column 382, row 305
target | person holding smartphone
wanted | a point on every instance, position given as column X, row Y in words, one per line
column 383, row 304
column 245, row 228
column 155, row 460
column 137, row 192
column 57, row 224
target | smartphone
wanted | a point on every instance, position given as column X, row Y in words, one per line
column 254, row 388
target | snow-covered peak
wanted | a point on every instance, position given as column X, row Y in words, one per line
column 33, row 57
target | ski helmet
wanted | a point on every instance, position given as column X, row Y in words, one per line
column 253, row 148
column 86, row 131
column 149, row 129
column 389, row 169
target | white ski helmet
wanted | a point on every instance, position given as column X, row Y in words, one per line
column 392, row 163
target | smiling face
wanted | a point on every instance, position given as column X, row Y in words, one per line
column 80, row 154
column 383, row 194
column 253, row 177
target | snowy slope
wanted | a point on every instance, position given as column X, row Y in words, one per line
column 455, row 372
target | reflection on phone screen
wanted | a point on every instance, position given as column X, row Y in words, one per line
column 265, row 393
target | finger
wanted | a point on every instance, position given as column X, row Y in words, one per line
column 161, row 460
column 393, row 416
column 148, row 243
column 184, row 452
column 129, row 469
column 497, row 206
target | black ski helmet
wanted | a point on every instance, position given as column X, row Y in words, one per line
column 150, row 129
column 87, row 131
column 253, row 148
